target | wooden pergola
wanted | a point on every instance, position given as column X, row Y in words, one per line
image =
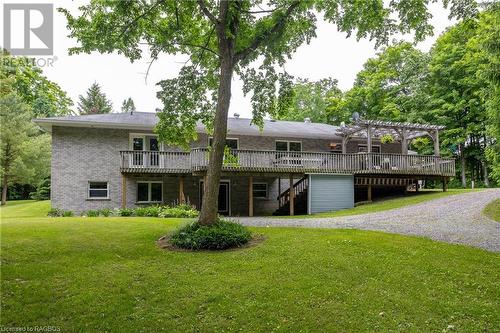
column 403, row 132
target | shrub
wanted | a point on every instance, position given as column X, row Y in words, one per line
column 106, row 212
column 126, row 212
column 56, row 212
column 219, row 236
column 91, row 213
column 150, row 211
column 67, row 213
column 180, row 211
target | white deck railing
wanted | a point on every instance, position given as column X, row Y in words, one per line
column 295, row 162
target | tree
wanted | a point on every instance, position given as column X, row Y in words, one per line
column 489, row 41
column 95, row 101
column 251, row 38
column 310, row 100
column 390, row 86
column 128, row 105
column 456, row 95
column 15, row 118
column 45, row 97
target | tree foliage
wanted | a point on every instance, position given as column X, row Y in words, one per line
column 128, row 105
column 24, row 152
column 45, row 97
column 250, row 38
column 312, row 100
column 94, row 102
column 389, row 87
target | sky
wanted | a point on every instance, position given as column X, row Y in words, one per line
column 330, row 54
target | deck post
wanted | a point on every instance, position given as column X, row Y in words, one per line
column 124, row 191
column 292, row 196
column 369, row 191
column 250, row 196
column 279, row 185
column 182, row 198
column 445, row 184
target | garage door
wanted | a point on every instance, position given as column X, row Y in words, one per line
column 330, row 192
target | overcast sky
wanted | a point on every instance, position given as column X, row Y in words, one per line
column 328, row 55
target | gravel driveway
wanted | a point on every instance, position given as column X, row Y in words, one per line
column 453, row 219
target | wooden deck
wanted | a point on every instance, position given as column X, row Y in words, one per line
column 262, row 161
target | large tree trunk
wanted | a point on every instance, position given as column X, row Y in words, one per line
column 208, row 213
column 462, row 164
column 4, row 188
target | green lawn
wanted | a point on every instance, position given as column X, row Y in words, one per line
column 107, row 274
column 492, row 210
column 377, row 206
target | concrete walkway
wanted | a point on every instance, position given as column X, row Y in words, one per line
column 453, row 219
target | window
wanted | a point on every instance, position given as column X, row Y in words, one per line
column 231, row 143
column 260, row 190
column 98, row 190
column 288, row 146
column 150, row 191
column 364, row 149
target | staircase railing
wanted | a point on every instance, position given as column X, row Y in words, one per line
column 299, row 187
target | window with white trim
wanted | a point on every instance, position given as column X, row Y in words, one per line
column 151, row 191
column 98, row 190
column 259, row 190
column 232, row 143
column 282, row 145
column 364, row 149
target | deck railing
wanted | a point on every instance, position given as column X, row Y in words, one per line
column 290, row 162
column 155, row 161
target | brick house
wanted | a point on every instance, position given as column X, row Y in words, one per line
column 115, row 160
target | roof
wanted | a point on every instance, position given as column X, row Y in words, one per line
column 236, row 126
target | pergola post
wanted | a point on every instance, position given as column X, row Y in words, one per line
column 404, row 141
column 124, row 191
column 182, row 198
column 292, row 196
column 344, row 145
column 369, row 145
column 435, row 138
column 369, row 139
column 250, row 196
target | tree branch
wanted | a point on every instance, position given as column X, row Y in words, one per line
column 207, row 12
column 278, row 25
column 192, row 45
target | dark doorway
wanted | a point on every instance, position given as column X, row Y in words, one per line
column 224, row 205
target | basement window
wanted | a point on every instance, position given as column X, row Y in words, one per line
column 151, row 191
column 98, row 190
column 260, row 190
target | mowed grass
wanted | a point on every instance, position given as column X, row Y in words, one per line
column 25, row 208
column 492, row 210
column 107, row 274
column 386, row 204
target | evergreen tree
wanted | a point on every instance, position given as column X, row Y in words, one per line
column 128, row 105
column 95, row 101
